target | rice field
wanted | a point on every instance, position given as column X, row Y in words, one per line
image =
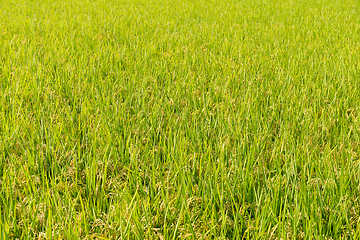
column 179, row 119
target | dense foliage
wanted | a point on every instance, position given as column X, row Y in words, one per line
column 179, row 119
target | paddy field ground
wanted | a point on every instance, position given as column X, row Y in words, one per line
column 179, row 119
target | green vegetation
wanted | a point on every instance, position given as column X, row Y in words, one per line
column 179, row 119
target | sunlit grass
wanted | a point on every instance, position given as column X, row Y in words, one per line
column 178, row 119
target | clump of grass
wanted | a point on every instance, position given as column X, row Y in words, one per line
column 179, row 119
